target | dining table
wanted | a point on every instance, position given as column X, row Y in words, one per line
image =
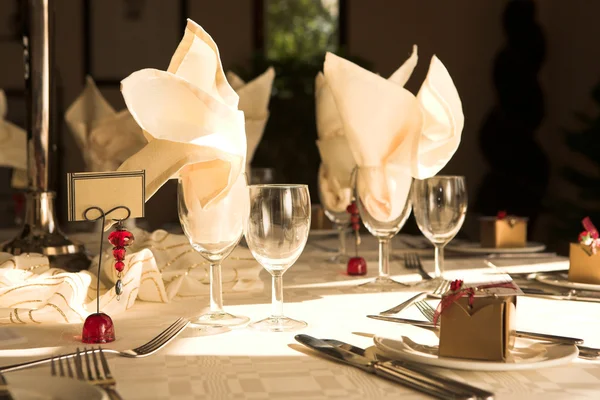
column 244, row 363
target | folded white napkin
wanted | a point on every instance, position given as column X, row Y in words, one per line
column 105, row 137
column 387, row 126
column 13, row 146
column 254, row 102
column 337, row 161
column 158, row 268
column 190, row 118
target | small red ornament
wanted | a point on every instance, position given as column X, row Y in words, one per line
column 501, row 214
column 456, row 285
column 119, row 266
column 119, row 253
column 356, row 265
column 98, row 328
column 120, row 238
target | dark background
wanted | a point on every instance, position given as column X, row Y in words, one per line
column 526, row 71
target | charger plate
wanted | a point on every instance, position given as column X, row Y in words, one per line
column 527, row 354
column 562, row 280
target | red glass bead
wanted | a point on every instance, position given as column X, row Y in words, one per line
column 121, row 238
column 357, row 266
column 352, row 208
column 98, row 328
column 354, row 219
column 119, row 266
column 119, row 253
column 355, row 226
column 501, row 214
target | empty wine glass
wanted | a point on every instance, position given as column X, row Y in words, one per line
column 276, row 234
column 213, row 231
column 440, row 206
column 383, row 199
column 335, row 199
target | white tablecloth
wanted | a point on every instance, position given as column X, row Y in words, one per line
column 246, row 364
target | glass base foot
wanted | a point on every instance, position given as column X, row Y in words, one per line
column 338, row 259
column 282, row 324
column 219, row 319
column 382, row 284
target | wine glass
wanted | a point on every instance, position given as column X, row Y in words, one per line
column 440, row 206
column 335, row 199
column 276, row 234
column 213, row 231
column 383, row 199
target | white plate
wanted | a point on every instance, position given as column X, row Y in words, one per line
column 527, row 354
column 475, row 248
column 562, row 280
column 21, row 387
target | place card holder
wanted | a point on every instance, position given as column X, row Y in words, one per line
column 94, row 197
column 584, row 267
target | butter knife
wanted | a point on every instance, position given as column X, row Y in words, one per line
column 522, row 334
column 4, row 393
column 410, row 378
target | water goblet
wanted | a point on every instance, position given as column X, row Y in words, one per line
column 277, row 232
column 440, row 206
column 335, row 200
column 383, row 198
column 213, row 231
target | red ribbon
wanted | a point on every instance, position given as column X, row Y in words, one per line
column 589, row 226
column 448, row 300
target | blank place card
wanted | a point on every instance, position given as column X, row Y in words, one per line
column 106, row 190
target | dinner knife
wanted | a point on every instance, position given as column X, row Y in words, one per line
column 522, row 334
column 479, row 393
column 4, row 393
column 574, row 295
column 407, row 377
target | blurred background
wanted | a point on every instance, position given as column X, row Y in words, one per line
column 528, row 73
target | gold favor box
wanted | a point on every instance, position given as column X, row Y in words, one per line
column 485, row 332
column 509, row 232
column 583, row 268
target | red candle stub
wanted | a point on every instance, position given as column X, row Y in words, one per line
column 357, row 266
column 98, row 328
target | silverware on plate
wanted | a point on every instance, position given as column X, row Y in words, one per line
column 573, row 295
column 437, row 292
column 420, row 380
column 144, row 350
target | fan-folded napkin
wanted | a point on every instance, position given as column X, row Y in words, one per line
column 387, row 126
column 159, row 267
column 254, row 102
column 105, row 137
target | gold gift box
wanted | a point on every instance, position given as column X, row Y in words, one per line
column 318, row 218
column 484, row 332
column 509, row 232
column 583, row 267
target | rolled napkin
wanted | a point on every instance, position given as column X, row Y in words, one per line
column 387, row 126
column 254, row 102
column 105, row 137
column 190, row 118
column 13, row 146
column 159, row 267
column 337, row 162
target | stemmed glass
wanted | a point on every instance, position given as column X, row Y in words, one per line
column 440, row 206
column 335, row 201
column 213, row 231
column 276, row 234
column 383, row 199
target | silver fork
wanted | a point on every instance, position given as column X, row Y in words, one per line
column 144, row 350
column 103, row 379
column 413, row 261
column 441, row 288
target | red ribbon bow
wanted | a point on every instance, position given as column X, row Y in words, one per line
column 457, row 288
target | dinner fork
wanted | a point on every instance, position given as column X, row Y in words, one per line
column 160, row 341
column 103, row 380
column 441, row 288
column 413, row 261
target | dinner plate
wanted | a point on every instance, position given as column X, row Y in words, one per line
column 562, row 280
column 475, row 248
column 22, row 387
column 527, row 354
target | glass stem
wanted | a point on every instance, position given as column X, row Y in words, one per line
column 439, row 260
column 277, row 296
column 342, row 236
column 216, row 289
column 384, row 258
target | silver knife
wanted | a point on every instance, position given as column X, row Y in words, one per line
column 4, row 393
column 413, row 379
column 479, row 393
column 529, row 335
column 574, row 295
